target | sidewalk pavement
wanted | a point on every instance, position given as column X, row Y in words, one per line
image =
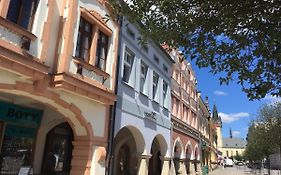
column 265, row 172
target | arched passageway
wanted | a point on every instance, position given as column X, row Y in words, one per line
column 37, row 113
column 155, row 162
column 125, row 160
column 188, row 153
column 177, row 156
column 196, row 158
column 58, row 150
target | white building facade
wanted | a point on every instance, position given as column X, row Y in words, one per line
column 142, row 140
column 57, row 79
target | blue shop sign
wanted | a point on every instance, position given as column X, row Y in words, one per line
column 20, row 115
column 15, row 131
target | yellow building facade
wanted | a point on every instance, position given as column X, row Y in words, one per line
column 233, row 147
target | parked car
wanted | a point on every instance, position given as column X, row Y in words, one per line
column 228, row 163
column 240, row 163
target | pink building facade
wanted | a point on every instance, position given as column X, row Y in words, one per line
column 186, row 143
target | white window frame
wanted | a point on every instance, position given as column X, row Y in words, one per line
column 128, row 64
column 143, row 76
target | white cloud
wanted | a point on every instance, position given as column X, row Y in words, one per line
column 272, row 99
column 236, row 133
column 228, row 118
column 220, row 93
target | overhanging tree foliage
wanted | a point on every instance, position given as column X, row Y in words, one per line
column 270, row 117
column 264, row 134
column 239, row 40
column 258, row 143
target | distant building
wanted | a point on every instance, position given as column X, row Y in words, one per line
column 218, row 124
column 233, row 146
column 227, row 146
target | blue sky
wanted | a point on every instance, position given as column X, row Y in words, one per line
column 232, row 104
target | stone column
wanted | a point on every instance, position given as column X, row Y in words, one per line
column 182, row 167
column 172, row 168
column 166, row 165
column 192, row 168
column 143, row 167
column 81, row 157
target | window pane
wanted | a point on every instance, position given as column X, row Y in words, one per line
column 155, row 83
column 84, row 40
column 87, row 27
column 126, row 74
column 20, row 11
column 143, row 74
column 85, row 54
column 165, row 87
column 102, row 49
column 128, row 63
column 25, row 14
column 14, row 10
column 77, row 51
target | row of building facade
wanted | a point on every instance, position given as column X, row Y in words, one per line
column 80, row 95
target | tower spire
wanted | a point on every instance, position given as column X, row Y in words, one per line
column 230, row 133
column 215, row 112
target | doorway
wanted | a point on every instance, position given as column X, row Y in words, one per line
column 58, row 151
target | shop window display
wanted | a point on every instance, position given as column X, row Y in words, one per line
column 18, row 129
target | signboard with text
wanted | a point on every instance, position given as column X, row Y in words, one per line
column 21, row 115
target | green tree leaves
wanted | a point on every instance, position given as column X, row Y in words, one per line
column 241, row 38
column 264, row 133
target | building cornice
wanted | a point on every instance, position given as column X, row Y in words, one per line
column 184, row 128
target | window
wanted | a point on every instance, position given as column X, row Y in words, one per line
column 128, row 64
column 102, row 49
column 165, row 68
column 143, row 75
column 155, row 84
column 237, row 153
column 130, row 33
column 84, row 40
column 227, row 154
column 165, row 93
column 145, row 47
column 156, row 59
column 21, row 12
column 92, row 43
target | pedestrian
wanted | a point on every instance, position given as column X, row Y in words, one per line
column 50, row 165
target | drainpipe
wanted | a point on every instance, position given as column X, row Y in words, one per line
column 109, row 161
column 171, row 145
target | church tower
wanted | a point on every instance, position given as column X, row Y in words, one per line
column 218, row 124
